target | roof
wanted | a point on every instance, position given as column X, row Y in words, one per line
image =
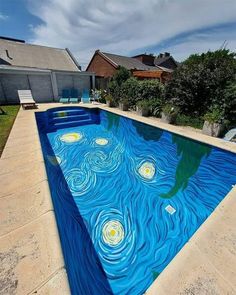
column 161, row 60
column 36, row 56
column 129, row 63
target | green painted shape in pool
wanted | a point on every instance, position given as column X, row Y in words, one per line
column 155, row 274
column 191, row 153
column 148, row 132
column 113, row 120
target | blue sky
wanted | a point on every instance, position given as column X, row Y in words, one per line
column 124, row 27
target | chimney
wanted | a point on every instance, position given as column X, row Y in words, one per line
column 167, row 54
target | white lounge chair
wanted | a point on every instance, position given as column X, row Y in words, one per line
column 230, row 135
column 26, row 98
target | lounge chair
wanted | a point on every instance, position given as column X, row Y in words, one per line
column 65, row 96
column 26, row 98
column 74, row 96
column 230, row 135
column 85, row 96
column 95, row 97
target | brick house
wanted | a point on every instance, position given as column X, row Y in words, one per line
column 142, row 66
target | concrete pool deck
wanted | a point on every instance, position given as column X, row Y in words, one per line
column 31, row 257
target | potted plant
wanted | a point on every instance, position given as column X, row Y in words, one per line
column 143, row 108
column 214, row 123
column 109, row 100
column 124, row 104
column 169, row 113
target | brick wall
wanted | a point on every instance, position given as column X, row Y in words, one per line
column 101, row 67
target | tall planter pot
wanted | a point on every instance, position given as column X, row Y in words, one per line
column 212, row 129
column 143, row 111
column 168, row 118
column 110, row 103
column 123, row 106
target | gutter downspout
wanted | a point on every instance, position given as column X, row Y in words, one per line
column 73, row 58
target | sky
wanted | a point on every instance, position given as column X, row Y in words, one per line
column 126, row 27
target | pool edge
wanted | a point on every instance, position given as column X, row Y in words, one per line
column 174, row 279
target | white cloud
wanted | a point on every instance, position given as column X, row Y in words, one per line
column 3, row 16
column 124, row 26
column 198, row 43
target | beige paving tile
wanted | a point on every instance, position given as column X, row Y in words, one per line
column 21, row 208
column 217, row 241
column 29, row 256
column 15, row 162
column 18, row 149
column 190, row 273
column 57, row 285
column 22, row 178
column 227, row 208
column 21, row 141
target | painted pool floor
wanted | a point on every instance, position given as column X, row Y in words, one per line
column 132, row 215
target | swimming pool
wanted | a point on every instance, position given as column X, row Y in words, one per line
column 127, row 196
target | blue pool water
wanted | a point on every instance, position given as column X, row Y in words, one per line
column 114, row 184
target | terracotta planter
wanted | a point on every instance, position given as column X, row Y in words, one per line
column 168, row 118
column 143, row 111
column 212, row 129
column 123, row 106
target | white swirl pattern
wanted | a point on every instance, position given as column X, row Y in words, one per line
column 120, row 203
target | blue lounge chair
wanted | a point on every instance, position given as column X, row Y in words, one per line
column 65, row 96
column 74, row 96
column 85, row 96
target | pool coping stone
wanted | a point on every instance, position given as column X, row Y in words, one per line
column 32, row 260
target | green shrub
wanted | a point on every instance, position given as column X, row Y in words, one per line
column 214, row 116
column 130, row 89
column 150, row 88
column 201, row 81
column 170, row 109
column 143, row 104
column 184, row 120
column 124, row 101
column 109, row 97
column 156, row 105
column 114, row 86
column 229, row 104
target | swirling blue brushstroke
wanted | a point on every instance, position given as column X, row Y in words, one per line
column 95, row 184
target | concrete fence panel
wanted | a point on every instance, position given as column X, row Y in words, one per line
column 46, row 86
column 41, row 87
column 64, row 81
column 10, row 84
column 81, row 82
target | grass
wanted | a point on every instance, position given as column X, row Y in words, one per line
column 6, row 122
column 183, row 120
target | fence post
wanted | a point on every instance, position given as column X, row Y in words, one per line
column 54, row 85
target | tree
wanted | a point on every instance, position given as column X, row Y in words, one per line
column 114, row 85
column 200, row 81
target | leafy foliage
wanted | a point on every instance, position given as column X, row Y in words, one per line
column 143, row 104
column 230, row 101
column 184, row 120
column 170, row 109
column 214, row 116
column 118, row 79
column 200, row 83
column 130, row 90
